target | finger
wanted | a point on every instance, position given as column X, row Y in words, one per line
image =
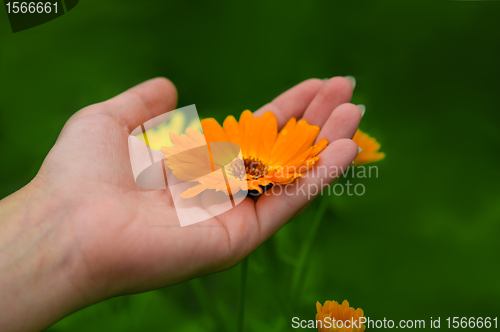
column 342, row 123
column 293, row 102
column 138, row 104
column 335, row 91
column 281, row 203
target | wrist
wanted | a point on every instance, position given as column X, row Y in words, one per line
column 40, row 279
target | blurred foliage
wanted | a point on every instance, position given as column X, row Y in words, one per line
column 422, row 241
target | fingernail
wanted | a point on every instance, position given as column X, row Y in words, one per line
column 359, row 150
column 362, row 108
column 352, row 80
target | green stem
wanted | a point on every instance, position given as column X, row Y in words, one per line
column 202, row 296
column 306, row 248
column 241, row 298
column 64, row 6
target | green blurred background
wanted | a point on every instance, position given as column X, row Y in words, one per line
column 422, row 241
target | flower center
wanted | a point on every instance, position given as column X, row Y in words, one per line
column 255, row 168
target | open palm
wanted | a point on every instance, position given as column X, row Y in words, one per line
column 109, row 220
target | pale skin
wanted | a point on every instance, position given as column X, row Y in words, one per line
column 80, row 233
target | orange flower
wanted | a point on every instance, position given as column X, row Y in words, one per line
column 338, row 318
column 269, row 157
column 369, row 146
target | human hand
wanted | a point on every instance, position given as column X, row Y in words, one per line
column 80, row 231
